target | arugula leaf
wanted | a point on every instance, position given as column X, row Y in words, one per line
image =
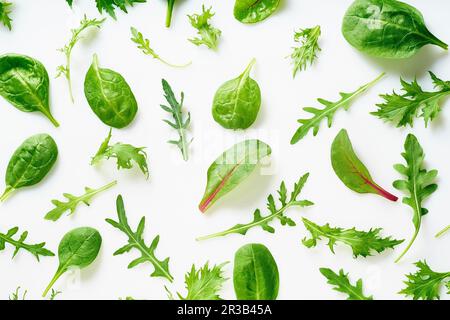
column 35, row 249
column 85, row 23
column 401, row 109
column 328, row 112
column 342, row 284
column 203, row 284
column 443, row 231
column 179, row 123
column 362, row 243
column 74, row 201
column 110, row 5
column 124, row 154
column 5, row 10
column 144, row 45
column 16, row 295
column 418, row 183
column 306, row 53
column 209, row 36
column 425, row 284
column 275, row 213
column 136, row 241
column 54, row 294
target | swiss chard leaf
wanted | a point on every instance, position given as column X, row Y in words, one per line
column 136, row 241
column 363, row 243
column 208, row 35
column 402, row 109
column 352, row 172
column 425, row 284
column 418, row 183
column 275, row 212
column 341, row 283
column 328, row 112
column 36, row 250
column 306, row 53
column 5, row 11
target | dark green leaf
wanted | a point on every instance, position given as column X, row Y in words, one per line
column 35, row 249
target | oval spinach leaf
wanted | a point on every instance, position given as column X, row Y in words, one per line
column 231, row 168
column 30, row 163
column 252, row 11
column 255, row 273
column 24, row 83
column 109, row 96
column 77, row 249
column 387, row 28
column 237, row 102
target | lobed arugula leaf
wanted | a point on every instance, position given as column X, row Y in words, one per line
column 136, row 241
column 306, row 53
column 125, row 154
column 209, row 36
column 16, row 295
column 35, row 249
column 418, row 183
column 275, row 212
column 425, row 284
column 328, row 112
column 362, row 243
column 341, row 283
column 180, row 124
column 5, row 11
column 73, row 201
column 402, row 109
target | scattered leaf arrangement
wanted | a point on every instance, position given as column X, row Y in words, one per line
column 24, row 83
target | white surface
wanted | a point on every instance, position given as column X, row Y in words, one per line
column 170, row 197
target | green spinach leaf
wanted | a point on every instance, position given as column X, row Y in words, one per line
column 24, row 83
column 109, row 96
column 252, row 11
column 237, row 102
column 77, row 249
column 387, row 29
column 231, row 168
column 341, row 283
column 35, row 249
column 30, row 163
column 255, row 273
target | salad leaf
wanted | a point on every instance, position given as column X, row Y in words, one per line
column 443, row 231
column 252, row 11
column 275, row 213
column 363, row 243
column 341, row 283
column 328, row 112
column 306, row 53
column 5, row 11
column 209, row 36
column 35, row 249
column 418, row 183
column 402, row 109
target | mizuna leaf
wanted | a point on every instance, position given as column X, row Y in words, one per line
column 35, row 249
column 209, row 36
column 231, row 168
column 418, row 183
column 362, row 243
column 5, row 11
column 306, row 53
column 136, row 241
column 425, row 284
column 341, row 283
column 352, row 172
column 328, row 112
column 275, row 213
column 73, row 201
column 402, row 109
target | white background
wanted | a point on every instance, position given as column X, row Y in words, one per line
column 170, row 197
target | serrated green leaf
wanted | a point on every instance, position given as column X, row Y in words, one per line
column 5, row 11
column 341, row 283
column 35, row 249
column 306, row 53
column 209, row 36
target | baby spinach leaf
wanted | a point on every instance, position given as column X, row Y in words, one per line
column 341, row 283
column 35, row 249
column 252, row 11
column 387, row 28
column 255, row 273
column 306, row 53
column 209, row 36
column 5, row 11
column 425, row 284
column 30, row 163
column 231, row 168
column 73, row 201
column 169, row 12
column 109, row 96
column 401, row 109
column 24, row 83
column 275, row 213
column 77, row 249
column 236, row 103
column 328, row 112
column 136, row 241
column 362, row 243
column 418, row 183
column 124, row 153
column 352, row 172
